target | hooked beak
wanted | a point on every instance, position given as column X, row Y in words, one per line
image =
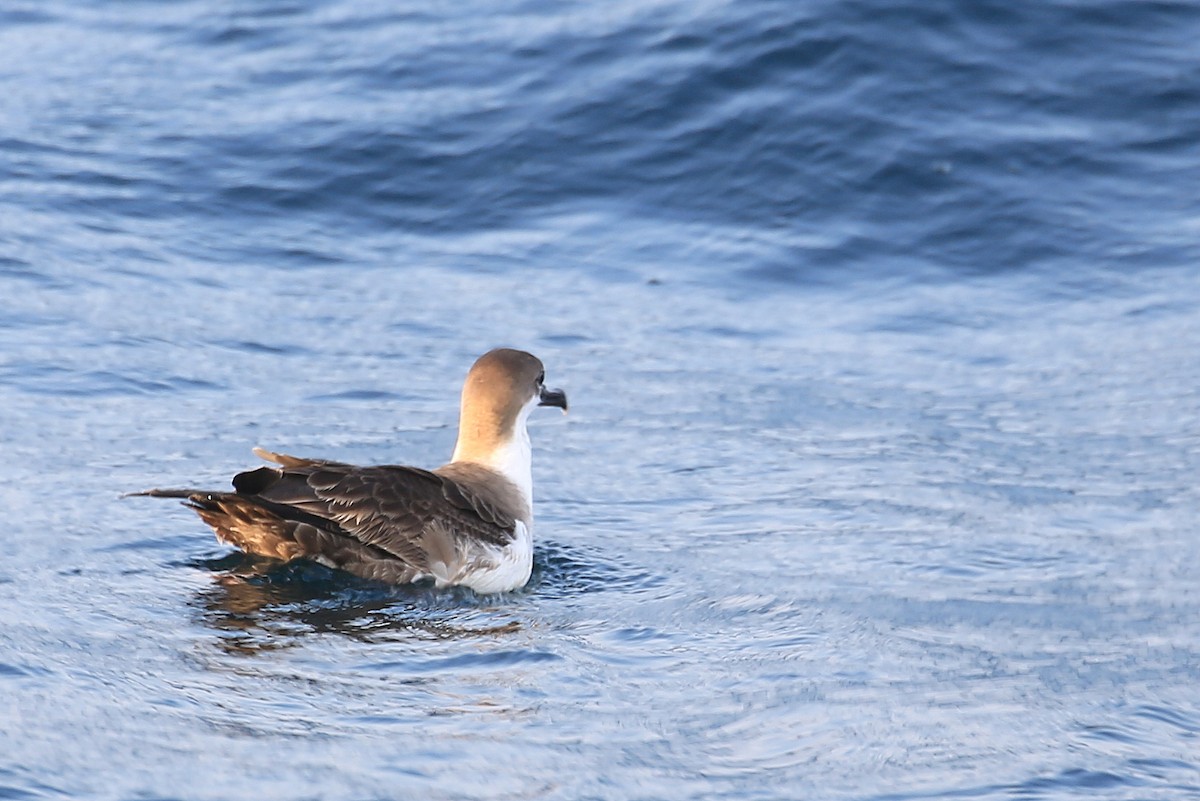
column 553, row 397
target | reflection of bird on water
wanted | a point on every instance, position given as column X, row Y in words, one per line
column 260, row 605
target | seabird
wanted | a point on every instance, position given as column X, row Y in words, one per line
column 469, row 522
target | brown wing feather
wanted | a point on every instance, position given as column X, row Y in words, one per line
column 292, row 461
column 254, row 528
column 388, row 507
column 388, row 523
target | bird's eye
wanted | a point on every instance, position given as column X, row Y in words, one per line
column 541, row 378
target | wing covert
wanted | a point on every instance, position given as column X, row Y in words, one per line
column 392, row 508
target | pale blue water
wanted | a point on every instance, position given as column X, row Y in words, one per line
column 880, row 327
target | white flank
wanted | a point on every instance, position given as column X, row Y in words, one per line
column 511, row 567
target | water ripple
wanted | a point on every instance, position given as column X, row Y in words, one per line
column 880, row 324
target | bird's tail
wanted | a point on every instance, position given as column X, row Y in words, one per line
column 185, row 494
column 264, row 528
column 238, row 521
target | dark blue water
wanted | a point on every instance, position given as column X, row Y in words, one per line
column 881, row 326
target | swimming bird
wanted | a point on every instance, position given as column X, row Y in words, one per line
column 468, row 522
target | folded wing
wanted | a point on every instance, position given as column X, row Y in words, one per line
column 390, row 523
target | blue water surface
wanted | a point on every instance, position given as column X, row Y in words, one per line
column 881, row 326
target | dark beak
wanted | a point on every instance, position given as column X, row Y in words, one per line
column 553, row 397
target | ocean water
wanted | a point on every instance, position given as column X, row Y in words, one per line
column 881, row 327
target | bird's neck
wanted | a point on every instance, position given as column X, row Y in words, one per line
column 509, row 456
